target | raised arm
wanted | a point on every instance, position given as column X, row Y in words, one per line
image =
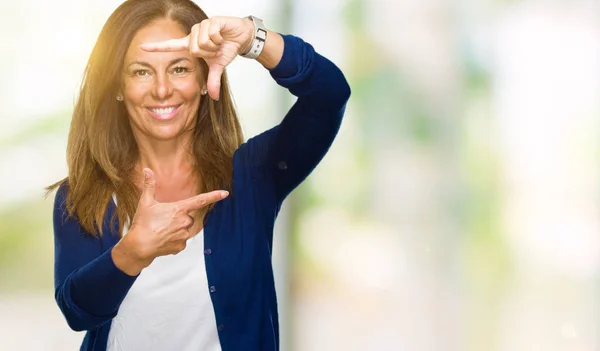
column 298, row 144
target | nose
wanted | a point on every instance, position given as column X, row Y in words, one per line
column 162, row 87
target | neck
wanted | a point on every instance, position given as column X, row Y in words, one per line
column 165, row 158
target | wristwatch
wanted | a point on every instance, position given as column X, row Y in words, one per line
column 260, row 36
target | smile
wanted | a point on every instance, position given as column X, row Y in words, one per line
column 164, row 112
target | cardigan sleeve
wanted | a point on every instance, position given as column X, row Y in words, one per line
column 295, row 147
column 89, row 288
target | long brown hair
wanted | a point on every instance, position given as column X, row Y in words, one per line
column 101, row 149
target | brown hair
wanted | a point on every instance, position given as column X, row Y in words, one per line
column 101, row 149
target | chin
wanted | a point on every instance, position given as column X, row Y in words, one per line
column 167, row 133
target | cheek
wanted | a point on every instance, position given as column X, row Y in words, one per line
column 134, row 93
column 189, row 88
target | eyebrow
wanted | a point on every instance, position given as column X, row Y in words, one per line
column 146, row 64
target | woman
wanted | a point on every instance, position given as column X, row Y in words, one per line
column 150, row 252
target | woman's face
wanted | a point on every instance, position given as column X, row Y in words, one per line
column 161, row 90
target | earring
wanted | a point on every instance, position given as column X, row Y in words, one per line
column 119, row 98
column 205, row 91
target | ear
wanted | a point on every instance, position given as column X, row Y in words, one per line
column 202, row 74
column 203, row 79
column 119, row 95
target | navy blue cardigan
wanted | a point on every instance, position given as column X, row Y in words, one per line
column 239, row 230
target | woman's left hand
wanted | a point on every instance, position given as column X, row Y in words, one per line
column 218, row 40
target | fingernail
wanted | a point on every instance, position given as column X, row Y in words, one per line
column 224, row 194
column 146, row 174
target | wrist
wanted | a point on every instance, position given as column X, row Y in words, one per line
column 250, row 30
column 273, row 51
column 257, row 38
column 127, row 259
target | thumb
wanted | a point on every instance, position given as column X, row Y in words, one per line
column 149, row 184
column 214, row 81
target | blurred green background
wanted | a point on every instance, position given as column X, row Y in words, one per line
column 456, row 210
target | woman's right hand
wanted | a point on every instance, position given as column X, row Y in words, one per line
column 158, row 229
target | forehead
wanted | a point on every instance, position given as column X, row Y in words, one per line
column 159, row 30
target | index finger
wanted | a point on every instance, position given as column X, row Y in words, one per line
column 202, row 200
column 167, row 45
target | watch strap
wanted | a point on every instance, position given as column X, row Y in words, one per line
column 260, row 36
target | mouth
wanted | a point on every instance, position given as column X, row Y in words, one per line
column 164, row 112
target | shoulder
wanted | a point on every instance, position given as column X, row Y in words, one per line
column 60, row 199
column 64, row 220
column 255, row 151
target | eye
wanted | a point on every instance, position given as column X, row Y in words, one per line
column 180, row 70
column 141, row 73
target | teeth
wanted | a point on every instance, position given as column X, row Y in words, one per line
column 163, row 111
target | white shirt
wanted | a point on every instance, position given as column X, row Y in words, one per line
column 168, row 307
